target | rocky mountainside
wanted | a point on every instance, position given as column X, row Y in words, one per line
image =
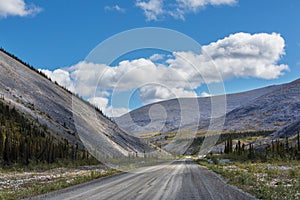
column 270, row 108
column 64, row 114
column 272, row 111
column 183, row 112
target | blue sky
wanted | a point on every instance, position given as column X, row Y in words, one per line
column 60, row 34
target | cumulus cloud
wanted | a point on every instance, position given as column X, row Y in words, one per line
column 239, row 55
column 194, row 5
column 115, row 8
column 126, row 76
column 95, row 80
column 17, row 8
column 157, row 57
column 155, row 93
column 86, row 77
column 155, row 9
column 115, row 112
column 205, row 94
column 102, row 103
column 60, row 76
column 152, row 9
column 99, row 102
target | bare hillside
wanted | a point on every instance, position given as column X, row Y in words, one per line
column 63, row 113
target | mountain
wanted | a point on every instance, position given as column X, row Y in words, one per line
column 288, row 130
column 64, row 114
column 268, row 108
column 183, row 112
column 23, row 140
column 272, row 111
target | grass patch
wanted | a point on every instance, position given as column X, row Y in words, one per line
column 29, row 189
column 265, row 180
column 42, row 166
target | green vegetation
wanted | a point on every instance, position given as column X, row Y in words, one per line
column 28, row 149
column 271, row 172
column 245, row 136
column 265, row 180
column 35, row 187
column 280, row 149
column 24, row 142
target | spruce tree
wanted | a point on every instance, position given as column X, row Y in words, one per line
column 298, row 141
column 6, row 150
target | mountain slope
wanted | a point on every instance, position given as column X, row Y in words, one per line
column 289, row 130
column 269, row 108
column 271, row 111
column 183, row 112
column 23, row 140
column 33, row 94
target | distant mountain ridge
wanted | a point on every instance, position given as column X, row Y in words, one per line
column 273, row 110
column 36, row 96
column 268, row 108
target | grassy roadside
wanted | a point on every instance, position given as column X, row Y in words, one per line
column 265, row 180
column 19, row 183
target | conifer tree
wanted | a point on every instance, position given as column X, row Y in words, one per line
column 298, row 140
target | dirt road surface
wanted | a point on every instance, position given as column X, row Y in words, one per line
column 182, row 179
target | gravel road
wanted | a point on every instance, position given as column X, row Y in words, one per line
column 182, row 179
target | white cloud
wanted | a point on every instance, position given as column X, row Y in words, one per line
column 152, row 9
column 116, row 112
column 157, row 57
column 17, row 8
column 155, row 9
column 194, row 5
column 126, row 76
column 115, row 8
column 246, row 55
column 155, row 93
column 239, row 55
column 87, row 75
column 62, row 77
column 99, row 102
column 102, row 103
column 205, row 94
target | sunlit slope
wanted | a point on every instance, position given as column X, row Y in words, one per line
column 185, row 112
column 63, row 113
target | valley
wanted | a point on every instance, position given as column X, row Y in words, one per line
column 48, row 137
